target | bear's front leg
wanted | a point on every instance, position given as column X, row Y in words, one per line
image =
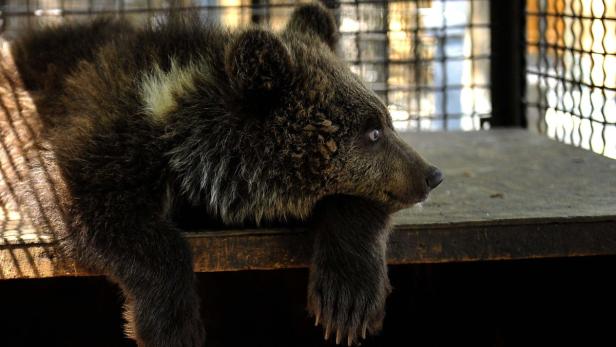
column 348, row 282
column 162, row 305
column 121, row 235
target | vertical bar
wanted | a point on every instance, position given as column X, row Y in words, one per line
column 333, row 5
column 507, row 70
column 558, row 67
column 255, row 16
column 442, row 47
column 471, row 29
column 411, row 74
column 568, row 58
column 605, row 76
column 260, row 12
column 386, row 24
column 30, row 13
column 358, row 38
column 577, row 41
column 593, row 84
column 544, row 65
column 417, row 65
column 3, row 17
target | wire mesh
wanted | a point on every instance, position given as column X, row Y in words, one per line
column 571, row 71
column 428, row 60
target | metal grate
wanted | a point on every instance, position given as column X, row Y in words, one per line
column 428, row 60
column 571, row 71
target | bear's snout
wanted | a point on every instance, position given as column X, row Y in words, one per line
column 434, row 177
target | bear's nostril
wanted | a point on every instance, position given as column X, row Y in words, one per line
column 435, row 177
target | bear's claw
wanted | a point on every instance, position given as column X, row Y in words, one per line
column 348, row 311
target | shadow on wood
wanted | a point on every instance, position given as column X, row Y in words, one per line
column 30, row 188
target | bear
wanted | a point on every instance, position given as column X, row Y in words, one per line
column 240, row 127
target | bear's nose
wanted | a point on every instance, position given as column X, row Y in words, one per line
column 435, row 177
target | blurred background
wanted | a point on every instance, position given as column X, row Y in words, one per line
column 549, row 65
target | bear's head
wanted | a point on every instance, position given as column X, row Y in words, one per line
column 332, row 135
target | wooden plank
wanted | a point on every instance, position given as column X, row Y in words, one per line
column 277, row 249
column 500, row 175
column 508, row 194
column 409, row 244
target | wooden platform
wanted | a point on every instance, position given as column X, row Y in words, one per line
column 508, row 194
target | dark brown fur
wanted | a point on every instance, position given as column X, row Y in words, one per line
column 244, row 127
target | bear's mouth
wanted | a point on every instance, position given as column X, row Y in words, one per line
column 406, row 202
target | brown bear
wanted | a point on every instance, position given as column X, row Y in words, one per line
column 246, row 127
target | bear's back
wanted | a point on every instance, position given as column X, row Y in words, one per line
column 90, row 93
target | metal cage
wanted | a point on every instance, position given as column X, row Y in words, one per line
column 428, row 60
column 571, row 71
column 438, row 64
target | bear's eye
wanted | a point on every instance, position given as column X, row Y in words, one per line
column 374, row 135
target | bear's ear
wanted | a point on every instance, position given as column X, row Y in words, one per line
column 258, row 64
column 318, row 20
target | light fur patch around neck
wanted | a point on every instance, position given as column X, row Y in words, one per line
column 161, row 89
